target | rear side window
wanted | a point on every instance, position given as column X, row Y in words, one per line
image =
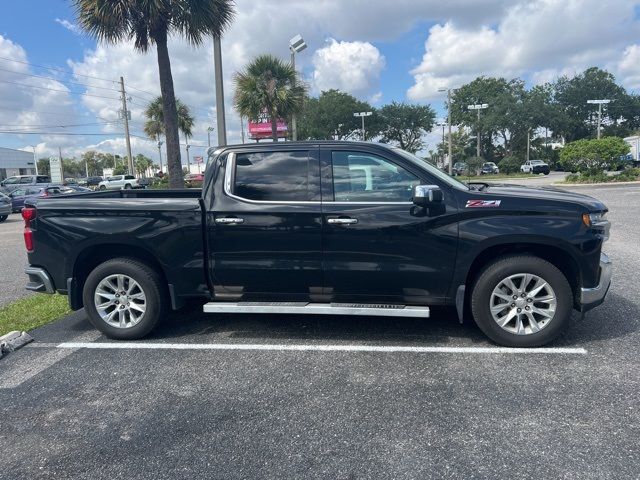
column 272, row 176
column 25, row 180
column 43, row 180
column 129, row 177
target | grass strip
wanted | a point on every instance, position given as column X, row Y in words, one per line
column 32, row 312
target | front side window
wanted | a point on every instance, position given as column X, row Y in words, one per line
column 18, row 193
column 363, row 177
column 11, row 181
column 25, row 180
column 272, row 176
column 113, row 179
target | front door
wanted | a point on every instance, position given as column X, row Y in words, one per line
column 265, row 225
column 378, row 247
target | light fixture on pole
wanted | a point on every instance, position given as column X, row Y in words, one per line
column 160, row 153
column 209, row 130
column 599, row 103
column 478, row 107
column 296, row 45
column 449, row 90
column 35, row 162
column 362, row 115
column 217, row 67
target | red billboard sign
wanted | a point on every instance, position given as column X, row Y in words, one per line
column 261, row 127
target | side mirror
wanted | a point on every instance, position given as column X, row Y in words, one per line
column 427, row 195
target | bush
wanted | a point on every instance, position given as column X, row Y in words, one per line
column 628, row 175
column 510, row 165
column 592, row 156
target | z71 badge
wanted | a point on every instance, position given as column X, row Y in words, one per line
column 482, row 203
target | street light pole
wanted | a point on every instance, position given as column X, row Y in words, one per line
column 188, row 165
column 478, row 107
column 160, row 153
column 217, row 64
column 209, row 130
column 362, row 115
column 448, row 90
column 35, row 162
column 296, row 45
column 599, row 103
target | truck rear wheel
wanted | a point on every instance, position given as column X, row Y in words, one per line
column 124, row 298
column 522, row 301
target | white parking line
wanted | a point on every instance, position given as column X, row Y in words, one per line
column 317, row 348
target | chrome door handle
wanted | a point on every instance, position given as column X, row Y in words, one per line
column 229, row 220
column 342, row 221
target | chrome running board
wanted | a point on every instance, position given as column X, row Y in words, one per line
column 379, row 310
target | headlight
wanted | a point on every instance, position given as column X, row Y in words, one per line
column 594, row 219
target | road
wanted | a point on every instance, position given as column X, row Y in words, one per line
column 278, row 406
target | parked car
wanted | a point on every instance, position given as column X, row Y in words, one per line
column 535, row 166
column 19, row 195
column 5, row 207
column 90, row 181
column 11, row 183
column 459, row 168
column 119, row 182
column 346, row 228
column 489, row 168
column 194, row 177
column 71, row 189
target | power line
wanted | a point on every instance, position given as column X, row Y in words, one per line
column 57, row 90
column 58, row 133
column 40, row 112
column 67, row 71
column 2, row 125
column 58, row 80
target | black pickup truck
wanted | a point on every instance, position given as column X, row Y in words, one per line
column 339, row 228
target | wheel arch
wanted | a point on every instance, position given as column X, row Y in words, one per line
column 554, row 254
column 92, row 256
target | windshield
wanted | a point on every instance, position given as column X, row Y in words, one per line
column 436, row 172
column 536, row 162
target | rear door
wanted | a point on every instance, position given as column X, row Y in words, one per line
column 264, row 224
column 378, row 247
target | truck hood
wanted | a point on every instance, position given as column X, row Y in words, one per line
column 546, row 193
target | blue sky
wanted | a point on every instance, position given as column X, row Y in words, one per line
column 377, row 50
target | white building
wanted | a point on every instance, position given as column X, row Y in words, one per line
column 15, row 162
column 634, row 143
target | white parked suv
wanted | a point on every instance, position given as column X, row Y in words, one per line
column 118, row 182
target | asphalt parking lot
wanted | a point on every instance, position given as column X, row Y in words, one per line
column 339, row 398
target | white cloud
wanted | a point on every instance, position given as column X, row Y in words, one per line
column 539, row 39
column 353, row 67
column 72, row 27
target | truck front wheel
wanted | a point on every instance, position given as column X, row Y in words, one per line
column 124, row 298
column 522, row 301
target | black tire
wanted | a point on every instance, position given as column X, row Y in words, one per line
column 494, row 273
column 102, row 187
column 127, row 186
column 3, row 218
column 151, row 283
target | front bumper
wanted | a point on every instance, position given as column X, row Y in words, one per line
column 39, row 280
column 594, row 296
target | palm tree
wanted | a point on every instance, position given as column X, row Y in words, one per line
column 154, row 126
column 270, row 86
column 150, row 22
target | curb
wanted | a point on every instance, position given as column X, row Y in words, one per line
column 12, row 341
column 606, row 184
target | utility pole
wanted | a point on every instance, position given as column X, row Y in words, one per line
column 478, row 107
column 599, row 103
column 528, row 143
column 217, row 63
column 362, row 115
column 449, row 90
column 125, row 116
column 188, row 146
column 296, row 45
column 35, row 162
column 242, row 128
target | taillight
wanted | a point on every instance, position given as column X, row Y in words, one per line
column 28, row 214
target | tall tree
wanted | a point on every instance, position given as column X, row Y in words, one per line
column 150, row 22
column 269, row 85
column 154, row 126
column 331, row 116
column 405, row 124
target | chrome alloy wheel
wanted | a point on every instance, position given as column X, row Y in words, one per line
column 523, row 304
column 120, row 301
